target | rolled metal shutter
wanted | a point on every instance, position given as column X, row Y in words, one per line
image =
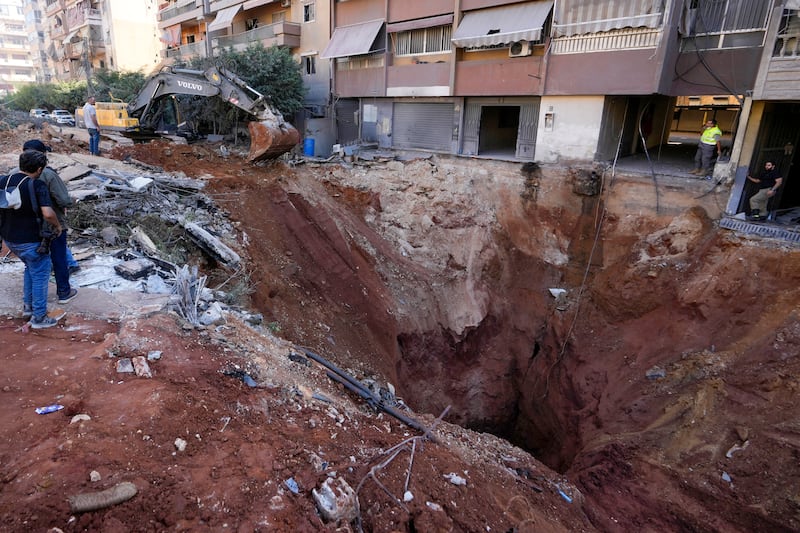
column 425, row 126
column 346, row 121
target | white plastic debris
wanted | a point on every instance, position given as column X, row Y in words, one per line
column 407, row 496
column 80, row 418
column 180, row 444
column 555, row 293
column 94, row 476
column 455, row 479
column 434, row 506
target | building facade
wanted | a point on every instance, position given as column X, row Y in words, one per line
column 33, row 11
column 85, row 35
column 202, row 28
column 16, row 63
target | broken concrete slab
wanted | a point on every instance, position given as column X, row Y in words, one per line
column 135, row 268
column 216, row 248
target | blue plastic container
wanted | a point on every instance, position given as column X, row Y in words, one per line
column 308, row 146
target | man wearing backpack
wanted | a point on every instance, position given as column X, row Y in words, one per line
column 20, row 229
column 59, row 201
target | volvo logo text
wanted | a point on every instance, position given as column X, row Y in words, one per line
column 191, row 86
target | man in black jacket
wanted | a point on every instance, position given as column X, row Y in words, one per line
column 21, row 231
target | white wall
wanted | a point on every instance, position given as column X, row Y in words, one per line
column 134, row 34
column 572, row 135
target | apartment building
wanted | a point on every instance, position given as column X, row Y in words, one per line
column 33, row 11
column 84, row 35
column 569, row 80
column 203, row 28
column 16, row 64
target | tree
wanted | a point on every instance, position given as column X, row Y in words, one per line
column 272, row 72
column 114, row 86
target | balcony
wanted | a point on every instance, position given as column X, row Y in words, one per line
column 278, row 34
column 54, row 7
column 80, row 17
column 185, row 51
column 178, row 14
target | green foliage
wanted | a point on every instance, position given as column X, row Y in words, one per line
column 70, row 95
column 272, row 72
column 65, row 95
column 113, row 86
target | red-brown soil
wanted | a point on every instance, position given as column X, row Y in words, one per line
column 337, row 268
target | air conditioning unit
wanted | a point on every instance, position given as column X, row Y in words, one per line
column 286, row 3
column 520, row 49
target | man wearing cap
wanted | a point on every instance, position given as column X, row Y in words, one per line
column 90, row 119
column 59, row 200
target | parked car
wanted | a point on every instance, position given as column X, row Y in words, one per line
column 39, row 113
column 62, row 116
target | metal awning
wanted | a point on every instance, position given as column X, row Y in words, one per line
column 502, row 25
column 250, row 4
column 224, row 18
column 417, row 24
column 352, row 40
column 578, row 17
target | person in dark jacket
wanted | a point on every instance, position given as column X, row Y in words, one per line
column 21, row 231
column 60, row 200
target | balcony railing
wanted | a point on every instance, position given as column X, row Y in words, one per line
column 280, row 34
column 787, row 43
column 626, row 39
column 176, row 11
column 185, row 51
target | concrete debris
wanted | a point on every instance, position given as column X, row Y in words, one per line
column 125, row 366
column 154, row 355
column 110, row 235
column 141, row 367
column 336, row 501
column 135, row 268
column 212, row 245
column 212, row 315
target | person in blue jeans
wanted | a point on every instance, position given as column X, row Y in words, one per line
column 59, row 200
column 90, row 119
column 20, row 229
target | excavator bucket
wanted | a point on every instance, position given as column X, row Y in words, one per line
column 268, row 141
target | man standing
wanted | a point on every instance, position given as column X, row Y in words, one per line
column 768, row 184
column 90, row 119
column 708, row 145
column 59, row 200
column 20, row 230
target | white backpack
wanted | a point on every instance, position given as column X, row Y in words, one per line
column 11, row 198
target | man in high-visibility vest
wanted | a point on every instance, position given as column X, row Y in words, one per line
column 709, row 143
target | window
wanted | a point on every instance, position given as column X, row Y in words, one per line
column 724, row 24
column 189, row 39
column 250, row 24
column 422, row 41
column 308, row 12
column 310, row 64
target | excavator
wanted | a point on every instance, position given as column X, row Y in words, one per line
column 270, row 134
